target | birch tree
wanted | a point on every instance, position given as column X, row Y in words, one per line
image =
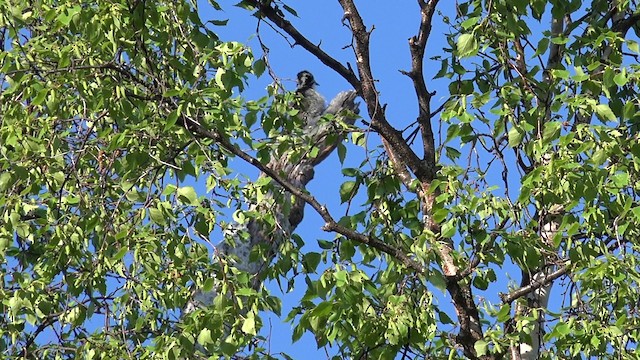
column 501, row 224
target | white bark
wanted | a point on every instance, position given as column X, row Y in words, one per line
column 539, row 299
column 549, row 222
column 548, row 225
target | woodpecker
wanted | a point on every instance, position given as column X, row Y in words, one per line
column 313, row 104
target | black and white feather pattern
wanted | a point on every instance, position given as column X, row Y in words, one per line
column 312, row 103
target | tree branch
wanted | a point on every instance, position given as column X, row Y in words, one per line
column 417, row 46
column 275, row 16
column 534, row 285
column 392, row 138
column 331, row 223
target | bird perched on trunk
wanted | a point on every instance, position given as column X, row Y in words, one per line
column 312, row 103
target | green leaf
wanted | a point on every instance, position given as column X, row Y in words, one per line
column 537, row 8
column 65, row 18
column 157, row 216
column 515, row 136
column 5, row 179
column 342, row 152
column 187, row 195
column 440, row 214
column 480, row 282
column 542, row 47
column 120, row 254
column 620, row 78
column 467, row 45
column 599, row 156
column 72, row 200
column 298, row 331
column 208, row 285
column 348, row 190
column 620, row 180
column 258, row 67
column 448, row 229
column 204, row 337
column 323, row 309
column 504, row 313
column 444, row 318
column 481, row 347
column 472, row 21
column 169, row 189
column 438, row 280
column 604, row 112
column 452, row 153
column 560, row 74
column 172, row 118
column 249, row 324
column 245, row 292
column 444, row 69
column 341, row 278
column 42, row 94
column 615, row 331
column 218, row 77
column 290, row 10
column 347, row 250
column 551, row 130
column 607, row 77
column 358, row 138
column 219, row 22
column 311, row 261
column 563, row 329
column 560, row 40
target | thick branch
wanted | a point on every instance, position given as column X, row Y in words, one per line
column 393, row 140
column 417, row 46
column 622, row 25
column 459, row 289
column 468, row 317
column 277, row 19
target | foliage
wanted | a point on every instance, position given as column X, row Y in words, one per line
column 114, row 114
column 100, row 223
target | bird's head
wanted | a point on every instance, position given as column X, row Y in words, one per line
column 306, row 80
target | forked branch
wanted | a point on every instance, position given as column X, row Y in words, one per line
column 393, row 140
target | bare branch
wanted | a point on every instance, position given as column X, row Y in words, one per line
column 417, row 45
column 534, row 285
column 392, row 138
column 274, row 16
